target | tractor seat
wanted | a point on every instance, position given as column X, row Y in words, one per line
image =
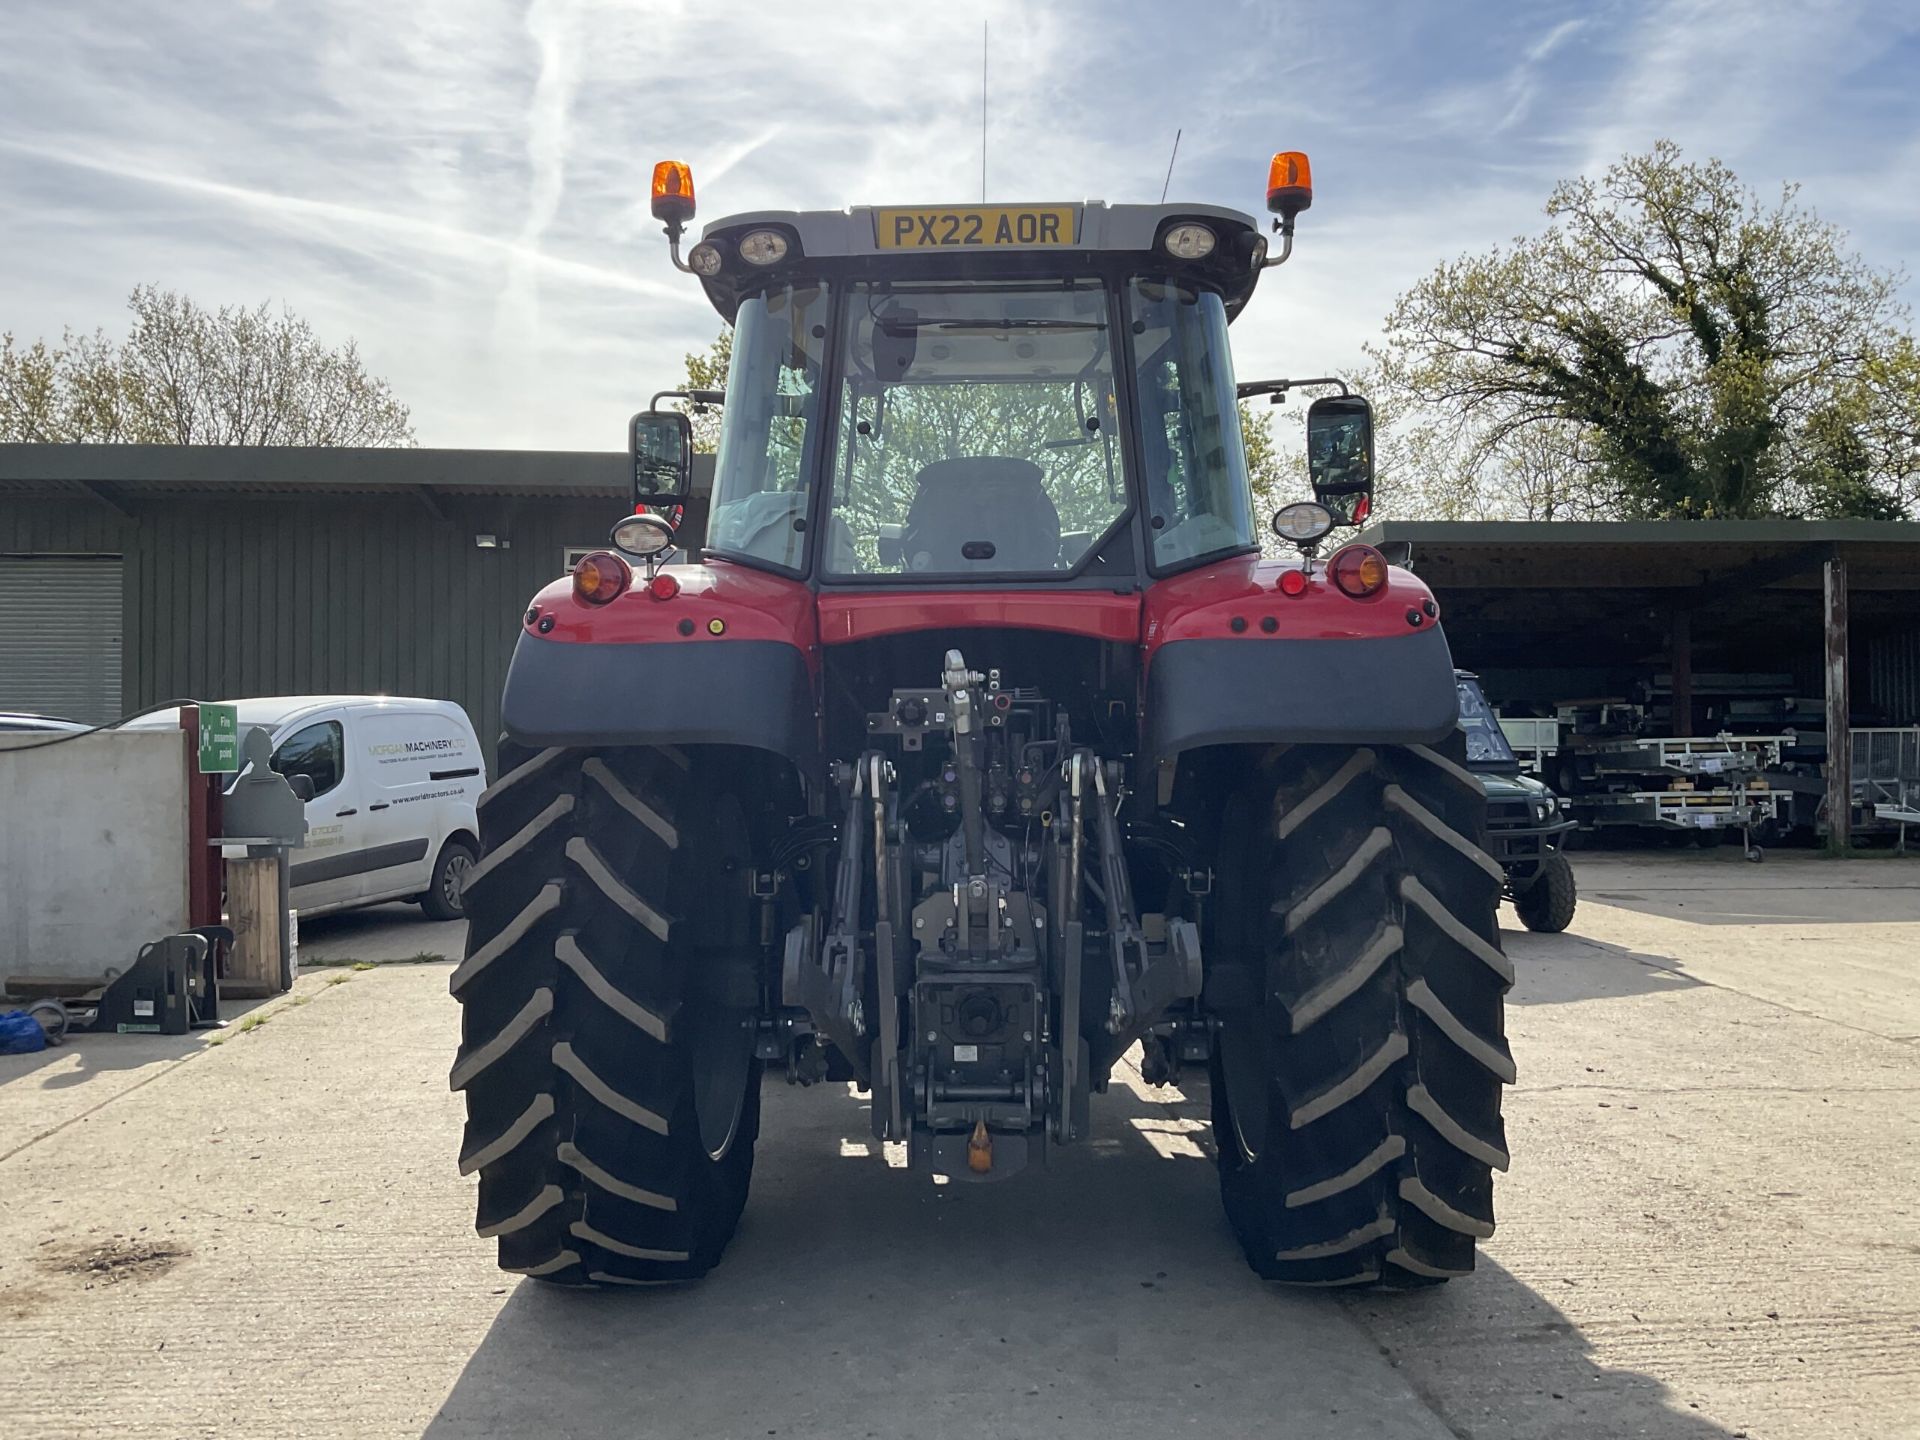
column 984, row 512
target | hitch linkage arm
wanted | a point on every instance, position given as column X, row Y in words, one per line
column 828, row 979
column 1128, row 944
column 963, row 698
column 1147, row 978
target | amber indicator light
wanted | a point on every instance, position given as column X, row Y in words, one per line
column 600, row 577
column 1359, row 571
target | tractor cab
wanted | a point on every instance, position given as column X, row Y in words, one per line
column 1021, row 395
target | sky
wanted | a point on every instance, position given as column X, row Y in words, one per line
column 461, row 185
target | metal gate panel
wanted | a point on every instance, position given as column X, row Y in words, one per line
column 60, row 622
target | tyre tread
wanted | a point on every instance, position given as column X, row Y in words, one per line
column 581, row 1124
column 1382, row 1029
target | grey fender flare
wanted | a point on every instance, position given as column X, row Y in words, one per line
column 1387, row 690
column 753, row 693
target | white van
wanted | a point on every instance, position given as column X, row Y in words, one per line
column 395, row 783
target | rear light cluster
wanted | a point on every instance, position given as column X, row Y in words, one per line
column 601, row 577
column 1359, row 571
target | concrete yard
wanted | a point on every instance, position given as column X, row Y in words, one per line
column 1712, row 1228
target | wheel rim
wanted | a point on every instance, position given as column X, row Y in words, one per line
column 453, row 881
column 720, row 1037
column 1243, row 1060
column 723, row 1061
column 1244, row 1071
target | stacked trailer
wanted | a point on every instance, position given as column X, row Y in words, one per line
column 1704, row 785
column 1886, row 779
column 1535, row 741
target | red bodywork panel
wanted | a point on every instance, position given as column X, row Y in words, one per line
column 1202, row 605
column 750, row 603
column 1198, row 605
column 1097, row 614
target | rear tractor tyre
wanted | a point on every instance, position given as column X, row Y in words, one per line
column 1547, row 904
column 607, row 1000
column 1356, row 1082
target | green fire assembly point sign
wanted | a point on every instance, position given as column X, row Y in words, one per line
column 219, row 740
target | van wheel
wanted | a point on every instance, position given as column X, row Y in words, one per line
column 446, row 897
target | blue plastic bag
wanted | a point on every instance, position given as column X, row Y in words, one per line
column 20, row 1034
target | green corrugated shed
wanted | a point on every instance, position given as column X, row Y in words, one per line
column 289, row 571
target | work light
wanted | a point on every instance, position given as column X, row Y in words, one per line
column 763, row 247
column 1302, row 522
column 643, row 535
column 1191, row 241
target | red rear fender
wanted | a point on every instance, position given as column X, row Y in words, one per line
column 746, row 604
column 1205, row 604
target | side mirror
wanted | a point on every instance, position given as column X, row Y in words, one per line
column 302, row 787
column 661, row 444
column 1340, row 456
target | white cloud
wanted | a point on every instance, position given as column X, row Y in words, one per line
column 461, row 184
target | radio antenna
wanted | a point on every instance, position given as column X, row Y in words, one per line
column 1170, row 159
column 983, row 112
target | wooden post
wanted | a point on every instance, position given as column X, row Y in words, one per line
column 1680, row 662
column 1839, row 719
column 256, row 968
column 203, row 823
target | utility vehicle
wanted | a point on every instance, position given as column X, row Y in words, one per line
column 1526, row 822
column 962, row 744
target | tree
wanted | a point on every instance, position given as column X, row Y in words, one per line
column 1271, row 481
column 707, row 370
column 1670, row 347
column 188, row 376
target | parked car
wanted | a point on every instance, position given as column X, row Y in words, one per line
column 395, row 784
column 1525, row 819
column 13, row 722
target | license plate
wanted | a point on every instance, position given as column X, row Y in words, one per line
column 977, row 227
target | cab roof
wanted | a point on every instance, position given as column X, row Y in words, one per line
column 854, row 241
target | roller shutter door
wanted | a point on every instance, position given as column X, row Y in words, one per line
column 60, row 635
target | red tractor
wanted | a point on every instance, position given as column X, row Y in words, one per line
column 961, row 744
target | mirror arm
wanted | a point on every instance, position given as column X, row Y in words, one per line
column 699, row 399
column 1247, row 389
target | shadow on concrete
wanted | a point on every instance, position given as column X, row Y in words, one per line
column 379, row 934
column 83, row 1055
column 1566, row 969
column 1101, row 1297
column 1498, row 1360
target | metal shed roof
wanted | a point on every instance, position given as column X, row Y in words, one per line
column 1727, row 555
column 120, row 472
